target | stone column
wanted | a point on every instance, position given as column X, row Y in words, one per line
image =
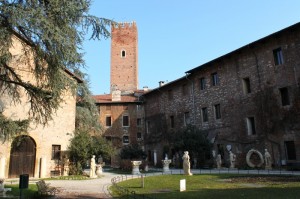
column 43, row 167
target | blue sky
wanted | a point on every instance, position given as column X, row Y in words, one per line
column 175, row 36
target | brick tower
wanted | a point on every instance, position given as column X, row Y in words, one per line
column 124, row 57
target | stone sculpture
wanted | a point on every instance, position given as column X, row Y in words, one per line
column 186, row 163
column 136, row 167
column 232, row 158
column 219, row 161
column 268, row 162
column 93, row 167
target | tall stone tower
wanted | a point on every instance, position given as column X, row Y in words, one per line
column 124, row 57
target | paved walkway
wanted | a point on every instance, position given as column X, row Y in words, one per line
column 90, row 189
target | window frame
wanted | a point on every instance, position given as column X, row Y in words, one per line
column 56, row 152
column 217, row 111
column 246, row 85
column 215, row 79
column 106, row 121
column 123, row 139
column 251, row 126
column 204, row 114
column 128, row 120
column 284, row 96
column 278, row 56
column 202, row 83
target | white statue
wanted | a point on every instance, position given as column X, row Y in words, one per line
column 219, row 161
column 93, row 167
column 186, row 163
column 66, row 166
column 268, row 161
column 232, row 158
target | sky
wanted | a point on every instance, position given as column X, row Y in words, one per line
column 175, row 36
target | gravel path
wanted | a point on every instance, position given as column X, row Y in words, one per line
column 90, row 189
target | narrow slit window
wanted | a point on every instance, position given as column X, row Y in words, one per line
column 123, row 53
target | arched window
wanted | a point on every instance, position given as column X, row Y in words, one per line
column 123, row 53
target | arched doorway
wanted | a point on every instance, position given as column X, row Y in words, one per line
column 22, row 157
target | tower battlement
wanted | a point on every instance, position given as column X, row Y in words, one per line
column 122, row 25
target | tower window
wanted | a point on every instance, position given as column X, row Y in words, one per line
column 172, row 121
column 108, row 121
column 217, row 111
column 204, row 114
column 202, row 83
column 125, row 120
column 123, row 53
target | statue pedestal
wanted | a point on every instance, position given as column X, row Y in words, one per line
column 136, row 167
column 99, row 169
column 166, row 164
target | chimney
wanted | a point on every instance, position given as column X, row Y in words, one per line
column 116, row 95
column 145, row 88
column 161, row 83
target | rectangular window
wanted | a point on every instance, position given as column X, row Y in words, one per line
column 108, row 121
column 290, row 150
column 250, row 125
column 217, row 108
column 170, row 94
column 204, row 114
column 187, row 119
column 139, row 122
column 172, row 121
column 246, row 85
column 125, row 120
column 108, row 107
column 285, row 99
column 138, row 107
column 55, row 152
column 139, row 136
column 278, row 57
column 125, row 139
column 202, row 83
column 215, row 79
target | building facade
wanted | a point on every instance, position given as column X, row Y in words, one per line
column 37, row 152
column 121, row 114
column 246, row 99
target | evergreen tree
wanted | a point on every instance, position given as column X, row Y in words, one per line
column 54, row 31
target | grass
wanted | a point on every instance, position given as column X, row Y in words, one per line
column 31, row 192
column 215, row 186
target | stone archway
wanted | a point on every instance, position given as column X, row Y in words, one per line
column 22, row 157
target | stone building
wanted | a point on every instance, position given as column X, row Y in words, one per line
column 36, row 152
column 121, row 113
column 246, row 99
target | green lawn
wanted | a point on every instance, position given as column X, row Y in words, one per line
column 216, row 186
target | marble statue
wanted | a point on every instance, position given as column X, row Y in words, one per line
column 268, row 162
column 186, row 163
column 219, row 161
column 66, row 166
column 93, row 167
column 232, row 158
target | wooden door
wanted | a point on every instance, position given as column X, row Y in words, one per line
column 22, row 157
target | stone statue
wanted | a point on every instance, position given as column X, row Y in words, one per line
column 268, row 161
column 93, row 167
column 66, row 166
column 186, row 163
column 232, row 158
column 219, row 161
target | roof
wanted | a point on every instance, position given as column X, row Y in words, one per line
column 297, row 25
column 106, row 98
